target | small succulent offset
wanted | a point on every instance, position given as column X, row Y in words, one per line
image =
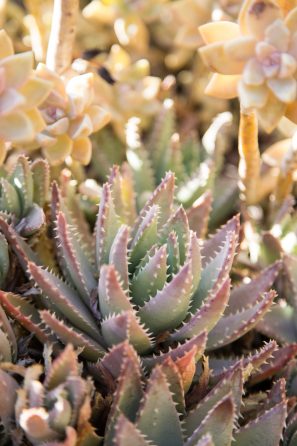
column 153, row 290
column 21, row 92
column 52, row 411
column 158, row 414
column 255, row 59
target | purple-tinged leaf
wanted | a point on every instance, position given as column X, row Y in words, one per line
column 280, row 323
column 210, row 246
column 25, row 313
column 208, row 314
column 33, row 221
column 150, row 278
column 107, row 226
column 178, row 352
column 118, row 328
column 64, row 366
column 119, row 255
column 116, row 356
column 233, row 326
column 73, row 262
column 169, row 307
column 163, row 198
column 112, row 298
column 63, row 299
column 126, row 434
column 249, row 293
column 198, row 214
column 91, row 349
column 219, row 422
column 158, row 419
column 266, row 430
column 230, row 384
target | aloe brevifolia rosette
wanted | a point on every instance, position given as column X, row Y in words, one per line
column 153, row 288
column 158, row 414
column 52, row 411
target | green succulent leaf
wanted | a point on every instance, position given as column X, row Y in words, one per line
column 22, row 181
column 41, row 181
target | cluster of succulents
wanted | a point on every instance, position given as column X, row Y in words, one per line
column 148, row 225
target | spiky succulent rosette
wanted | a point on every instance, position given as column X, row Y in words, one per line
column 54, row 410
column 158, row 414
column 157, row 287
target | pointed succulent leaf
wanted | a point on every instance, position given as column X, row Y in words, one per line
column 178, row 352
column 233, row 326
column 22, row 181
column 169, row 307
column 187, row 367
column 107, row 225
column 4, row 260
column 33, row 221
column 219, row 422
column 125, row 432
column 112, row 298
column 198, row 214
column 265, row 430
column 178, row 224
column 158, row 419
column 173, row 257
column 231, row 383
column 9, row 199
column 193, row 256
column 118, row 328
column 249, row 293
column 63, row 299
column 116, row 356
column 279, row 323
column 175, row 382
column 41, row 181
column 25, row 313
column 207, row 315
column 64, row 366
column 91, row 349
column 119, row 255
column 145, row 236
column 150, row 278
column 123, row 193
column 73, row 261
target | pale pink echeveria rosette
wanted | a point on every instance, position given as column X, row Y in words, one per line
column 21, row 92
column 255, row 59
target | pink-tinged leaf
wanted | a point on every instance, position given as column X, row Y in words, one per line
column 145, row 237
column 73, row 262
column 115, row 357
column 266, row 430
column 119, row 255
column 230, row 384
column 217, row 239
column 174, row 380
column 25, row 313
column 198, row 214
column 178, row 223
column 248, row 293
column 126, row 434
column 169, row 307
column 219, row 422
column 112, row 298
column 8, row 390
column 107, row 226
column 278, row 360
column 118, row 328
column 126, row 399
column 63, row 299
column 64, row 366
column 150, row 278
column 178, row 352
column 250, row 363
column 208, row 314
column 163, row 197
column 215, row 271
column 280, row 323
column 233, row 326
column 91, row 349
column 187, row 367
column 158, row 419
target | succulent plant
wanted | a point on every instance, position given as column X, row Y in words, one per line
column 54, row 410
column 255, row 60
column 153, row 288
column 159, row 414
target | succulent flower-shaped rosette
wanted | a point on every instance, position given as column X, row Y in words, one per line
column 21, row 92
column 71, row 116
column 153, row 288
column 54, row 410
column 255, row 60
